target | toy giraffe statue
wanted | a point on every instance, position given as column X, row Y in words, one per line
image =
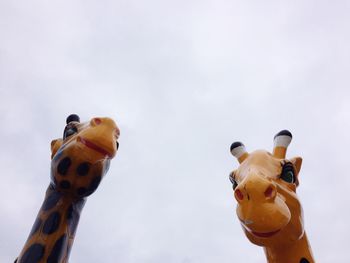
column 268, row 208
column 79, row 161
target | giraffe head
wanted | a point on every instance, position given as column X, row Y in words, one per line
column 82, row 156
column 265, row 188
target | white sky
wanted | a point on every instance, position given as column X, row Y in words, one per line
column 183, row 80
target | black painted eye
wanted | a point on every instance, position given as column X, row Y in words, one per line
column 233, row 181
column 69, row 130
column 117, row 145
column 288, row 173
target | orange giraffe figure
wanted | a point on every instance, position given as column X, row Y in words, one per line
column 268, row 208
column 79, row 161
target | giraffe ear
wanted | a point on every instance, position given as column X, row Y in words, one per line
column 55, row 145
column 297, row 161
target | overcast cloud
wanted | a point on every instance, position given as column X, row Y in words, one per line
column 183, row 80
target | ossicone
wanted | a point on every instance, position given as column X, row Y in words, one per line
column 281, row 142
column 238, row 150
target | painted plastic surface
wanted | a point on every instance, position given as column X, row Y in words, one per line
column 267, row 204
column 79, row 161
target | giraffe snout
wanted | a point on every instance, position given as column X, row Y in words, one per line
column 255, row 188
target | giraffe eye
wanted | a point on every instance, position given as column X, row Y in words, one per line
column 233, row 181
column 287, row 174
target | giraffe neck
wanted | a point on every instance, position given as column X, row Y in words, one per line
column 297, row 252
column 52, row 234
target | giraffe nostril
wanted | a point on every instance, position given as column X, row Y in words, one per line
column 239, row 194
column 97, row 121
column 116, row 133
column 269, row 192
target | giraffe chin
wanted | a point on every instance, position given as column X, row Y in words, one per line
column 262, row 238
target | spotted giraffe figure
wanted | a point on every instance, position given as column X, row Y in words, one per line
column 268, row 208
column 79, row 161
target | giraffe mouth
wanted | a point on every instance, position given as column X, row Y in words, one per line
column 94, row 147
column 258, row 234
column 266, row 234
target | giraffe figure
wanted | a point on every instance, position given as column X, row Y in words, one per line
column 78, row 162
column 268, row 207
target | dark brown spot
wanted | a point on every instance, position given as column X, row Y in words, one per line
column 81, row 191
column 51, row 201
column 73, row 215
column 63, row 166
column 95, row 182
column 58, row 250
column 65, row 184
column 33, row 254
column 83, row 169
column 52, row 223
column 36, row 226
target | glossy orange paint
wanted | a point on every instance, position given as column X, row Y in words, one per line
column 267, row 204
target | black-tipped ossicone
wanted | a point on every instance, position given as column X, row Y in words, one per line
column 72, row 117
column 235, row 145
column 284, row 133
